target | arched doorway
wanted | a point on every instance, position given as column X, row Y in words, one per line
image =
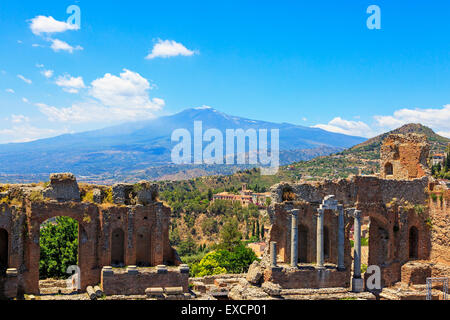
column 117, row 248
column 413, row 243
column 58, row 253
column 3, row 251
column 326, row 243
column 143, row 248
column 302, row 243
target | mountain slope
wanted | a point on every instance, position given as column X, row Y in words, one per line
column 362, row 158
column 370, row 149
column 120, row 151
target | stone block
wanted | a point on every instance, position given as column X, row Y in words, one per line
column 107, row 271
column 132, row 270
column 357, row 284
column 255, row 273
column 173, row 290
column 63, row 187
column 161, row 269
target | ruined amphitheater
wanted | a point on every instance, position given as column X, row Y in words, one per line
column 314, row 248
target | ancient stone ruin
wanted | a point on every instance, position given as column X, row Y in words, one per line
column 314, row 246
column 131, row 231
column 311, row 225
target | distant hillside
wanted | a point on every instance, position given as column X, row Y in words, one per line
column 142, row 150
column 362, row 158
column 370, row 149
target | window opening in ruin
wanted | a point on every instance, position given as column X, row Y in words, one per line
column 59, row 247
column 388, row 169
column 302, row 244
column 413, row 243
column 3, row 251
column 288, row 194
column 117, row 248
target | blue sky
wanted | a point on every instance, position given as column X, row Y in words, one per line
column 312, row 63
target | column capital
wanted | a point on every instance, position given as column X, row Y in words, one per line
column 354, row 213
column 329, row 202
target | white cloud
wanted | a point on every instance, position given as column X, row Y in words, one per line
column 168, row 48
column 353, row 128
column 24, row 79
column 437, row 119
column 24, row 132
column 112, row 99
column 58, row 45
column 19, row 118
column 92, row 111
column 70, row 84
column 42, row 24
column 10, row 90
column 25, row 100
column 128, row 91
column 47, row 73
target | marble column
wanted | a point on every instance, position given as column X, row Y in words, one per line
column 341, row 237
column 319, row 248
column 273, row 254
column 357, row 281
column 294, row 237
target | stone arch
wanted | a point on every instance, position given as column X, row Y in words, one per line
column 4, row 250
column 117, row 247
column 143, row 247
column 413, row 243
column 303, row 233
column 58, row 250
column 388, row 169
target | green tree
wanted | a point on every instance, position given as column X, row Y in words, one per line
column 257, row 230
column 230, row 235
column 59, row 247
column 187, row 246
column 262, row 232
column 224, row 261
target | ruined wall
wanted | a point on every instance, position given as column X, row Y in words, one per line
column 303, row 278
column 125, row 282
column 142, row 221
column 404, row 156
column 307, row 233
column 393, row 207
column 439, row 205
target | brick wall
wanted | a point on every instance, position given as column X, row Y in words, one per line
column 289, row 278
column 122, row 282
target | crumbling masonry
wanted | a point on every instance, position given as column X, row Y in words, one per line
column 312, row 222
column 131, row 231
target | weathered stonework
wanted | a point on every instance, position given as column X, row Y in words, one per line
column 137, row 280
column 403, row 225
column 404, row 157
column 109, row 234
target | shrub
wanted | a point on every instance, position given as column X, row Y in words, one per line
column 59, row 247
column 36, row 196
